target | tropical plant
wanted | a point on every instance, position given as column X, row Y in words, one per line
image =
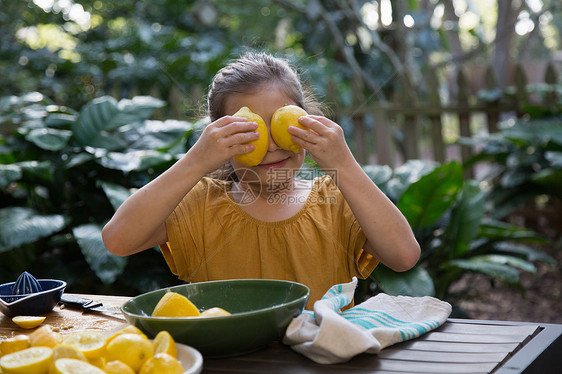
column 62, row 175
column 525, row 163
column 452, row 222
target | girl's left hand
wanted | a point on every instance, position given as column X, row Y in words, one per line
column 325, row 141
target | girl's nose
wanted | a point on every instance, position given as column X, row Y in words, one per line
column 272, row 146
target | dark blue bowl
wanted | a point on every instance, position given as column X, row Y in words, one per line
column 32, row 304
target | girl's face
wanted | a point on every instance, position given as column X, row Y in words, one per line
column 278, row 165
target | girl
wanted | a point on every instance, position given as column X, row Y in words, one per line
column 262, row 222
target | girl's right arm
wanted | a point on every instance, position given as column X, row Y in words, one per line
column 138, row 224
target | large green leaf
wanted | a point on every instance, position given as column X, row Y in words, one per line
column 529, row 252
column 406, row 174
column 156, row 134
column 60, row 120
column 9, row 174
column 138, row 108
column 555, row 158
column 25, row 225
column 380, row 174
column 429, row 198
column 501, row 231
column 103, row 114
column 36, row 170
column 135, row 160
column 512, row 261
column 106, row 265
column 500, row 267
column 465, row 220
column 115, row 193
column 79, row 159
column 49, row 139
column 414, row 282
column 550, row 179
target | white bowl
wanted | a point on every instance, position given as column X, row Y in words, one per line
column 190, row 359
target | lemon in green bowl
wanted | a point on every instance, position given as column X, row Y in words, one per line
column 261, row 310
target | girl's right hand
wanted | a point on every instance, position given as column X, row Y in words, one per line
column 221, row 140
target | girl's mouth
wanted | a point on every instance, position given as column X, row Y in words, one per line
column 273, row 165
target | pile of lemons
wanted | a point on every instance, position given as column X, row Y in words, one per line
column 128, row 351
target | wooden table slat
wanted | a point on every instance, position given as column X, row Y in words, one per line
column 422, row 345
column 376, row 366
column 451, row 357
column 433, row 367
column 470, row 338
column 470, row 328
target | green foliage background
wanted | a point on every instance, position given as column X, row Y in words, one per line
column 71, row 149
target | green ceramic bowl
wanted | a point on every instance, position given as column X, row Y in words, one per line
column 261, row 311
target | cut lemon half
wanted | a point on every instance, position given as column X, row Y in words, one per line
column 74, row 366
column 173, row 304
column 44, row 336
column 164, row 343
column 34, row 360
column 14, row 344
column 90, row 343
column 117, row 367
column 130, row 329
column 67, row 351
column 28, row 322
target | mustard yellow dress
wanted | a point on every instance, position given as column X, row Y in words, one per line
column 210, row 237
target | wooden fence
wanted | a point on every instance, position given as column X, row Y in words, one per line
column 412, row 126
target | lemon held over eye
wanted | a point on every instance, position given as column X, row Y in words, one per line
column 284, row 117
column 256, row 156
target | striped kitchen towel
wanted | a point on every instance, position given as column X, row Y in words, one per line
column 327, row 335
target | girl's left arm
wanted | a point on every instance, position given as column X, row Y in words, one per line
column 389, row 236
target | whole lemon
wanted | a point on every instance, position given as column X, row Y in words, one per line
column 131, row 349
column 254, row 157
column 284, row 117
column 161, row 363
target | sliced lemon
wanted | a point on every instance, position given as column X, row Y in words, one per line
column 214, row 312
column 34, row 360
column 67, row 351
column 90, row 343
column 14, row 344
column 164, row 343
column 98, row 362
column 44, row 336
column 173, row 304
column 162, row 363
column 28, row 322
column 117, row 367
column 131, row 349
column 130, row 329
column 74, row 366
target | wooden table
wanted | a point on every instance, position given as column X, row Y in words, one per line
column 459, row 346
